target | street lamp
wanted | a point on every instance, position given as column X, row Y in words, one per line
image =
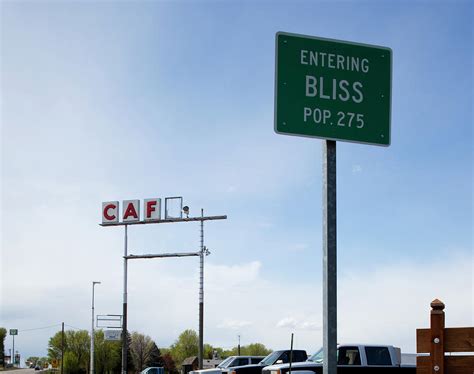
column 92, row 329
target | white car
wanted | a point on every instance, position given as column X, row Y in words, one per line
column 229, row 362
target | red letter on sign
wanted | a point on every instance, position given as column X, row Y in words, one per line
column 107, row 216
column 130, row 211
column 110, row 212
column 150, row 208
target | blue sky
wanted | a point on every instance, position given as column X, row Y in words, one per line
column 119, row 100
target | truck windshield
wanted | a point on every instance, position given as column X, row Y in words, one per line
column 270, row 359
column 317, row 357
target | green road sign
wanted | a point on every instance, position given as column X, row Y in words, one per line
column 332, row 89
column 13, row 331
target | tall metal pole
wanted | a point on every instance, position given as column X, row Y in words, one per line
column 62, row 348
column 329, row 258
column 124, row 320
column 201, row 295
column 92, row 330
column 14, row 362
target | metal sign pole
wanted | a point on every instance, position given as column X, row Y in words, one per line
column 201, row 296
column 124, row 321
column 329, row 258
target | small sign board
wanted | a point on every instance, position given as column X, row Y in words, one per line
column 113, row 335
column 13, row 331
column 332, row 89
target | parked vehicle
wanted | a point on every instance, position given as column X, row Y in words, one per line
column 230, row 362
column 153, row 370
column 276, row 357
column 351, row 358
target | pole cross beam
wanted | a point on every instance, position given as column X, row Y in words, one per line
column 167, row 220
column 162, row 255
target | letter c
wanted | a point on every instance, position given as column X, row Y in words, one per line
column 107, row 216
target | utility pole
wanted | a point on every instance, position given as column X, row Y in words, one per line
column 238, row 347
column 92, row 329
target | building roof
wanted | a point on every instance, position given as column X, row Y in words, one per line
column 189, row 360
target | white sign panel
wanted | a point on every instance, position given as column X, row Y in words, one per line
column 110, row 212
column 152, row 209
column 131, row 211
column 113, row 335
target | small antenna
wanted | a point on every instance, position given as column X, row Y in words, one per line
column 291, row 353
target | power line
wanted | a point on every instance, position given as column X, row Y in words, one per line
column 40, row 328
column 76, row 328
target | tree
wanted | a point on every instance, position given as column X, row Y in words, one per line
column 155, row 357
column 185, row 346
column 76, row 350
column 255, row 349
column 32, row 360
column 169, row 364
column 106, row 354
column 208, row 351
column 141, row 347
column 3, row 334
column 55, row 346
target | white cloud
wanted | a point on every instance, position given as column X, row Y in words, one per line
column 234, row 324
column 292, row 323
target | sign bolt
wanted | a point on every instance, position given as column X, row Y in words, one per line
column 436, row 368
column 436, row 340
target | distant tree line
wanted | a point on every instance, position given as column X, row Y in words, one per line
column 3, row 334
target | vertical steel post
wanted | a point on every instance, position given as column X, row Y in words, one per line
column 14, row 361
column 124, row 318
column 62, row 348
column 201, row 296
column 92, row 333
column 329, row 258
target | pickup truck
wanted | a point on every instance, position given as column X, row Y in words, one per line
column 276, row 357
column 351, row 359
column 230, row 362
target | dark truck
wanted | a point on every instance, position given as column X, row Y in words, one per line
column 276, row 357
column 351, row 359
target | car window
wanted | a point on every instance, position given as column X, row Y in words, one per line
column 243, row 361
column 299, row 356
column 233, row 363
column 378, row 356
column 224, row 363
column 348, row 356
column 255, row 360
column 285, row 358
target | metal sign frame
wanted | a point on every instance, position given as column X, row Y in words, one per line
column 109, row 318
